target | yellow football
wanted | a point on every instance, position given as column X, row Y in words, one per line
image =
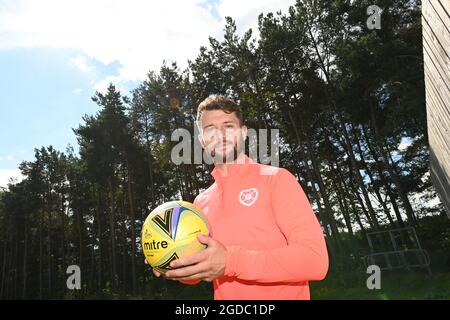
column 170, row 232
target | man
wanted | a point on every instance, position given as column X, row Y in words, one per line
column 265, row 240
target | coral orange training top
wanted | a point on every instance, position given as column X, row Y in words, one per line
column 274, row 242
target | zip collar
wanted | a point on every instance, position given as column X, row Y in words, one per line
column 233, row 169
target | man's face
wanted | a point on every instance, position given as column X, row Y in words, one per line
column 221, row 135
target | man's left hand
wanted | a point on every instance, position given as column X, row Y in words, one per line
column 206, row 265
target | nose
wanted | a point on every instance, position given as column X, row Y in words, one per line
column 226, row 134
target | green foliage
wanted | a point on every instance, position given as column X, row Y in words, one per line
column 343, row 97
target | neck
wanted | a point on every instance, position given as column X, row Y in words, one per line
column 223, row 167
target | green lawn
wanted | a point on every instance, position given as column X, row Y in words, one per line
column 395, row 285
column 398, row 285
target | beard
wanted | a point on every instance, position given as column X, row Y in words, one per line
column 230, row 154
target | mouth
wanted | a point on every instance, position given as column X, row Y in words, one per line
column 225, row 144
column 222, row 147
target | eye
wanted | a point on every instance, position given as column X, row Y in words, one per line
column 209, row 129
column 209, row 132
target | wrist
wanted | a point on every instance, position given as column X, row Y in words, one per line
column 229, row 261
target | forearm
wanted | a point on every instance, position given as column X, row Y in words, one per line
column 292, row 263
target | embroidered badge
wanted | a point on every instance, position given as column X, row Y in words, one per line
column 248, row 196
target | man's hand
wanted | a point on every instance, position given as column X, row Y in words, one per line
column 206, row 265
column 155, row 273
column 159, row 274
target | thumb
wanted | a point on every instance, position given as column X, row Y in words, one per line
column 204, row 238
column 156, row 273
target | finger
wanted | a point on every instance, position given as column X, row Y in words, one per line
column 189, row 260
column 156, row 273
column 145, row 261
column 198, row 276
column 186, row 271
column 204, row 239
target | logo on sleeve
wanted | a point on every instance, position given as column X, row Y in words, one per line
column 247, row 197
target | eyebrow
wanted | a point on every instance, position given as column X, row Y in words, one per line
column 209, row 125
column 225, row 122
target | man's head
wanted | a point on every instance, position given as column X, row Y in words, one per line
column 222, row 132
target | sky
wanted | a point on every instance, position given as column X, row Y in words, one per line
column 55, row 54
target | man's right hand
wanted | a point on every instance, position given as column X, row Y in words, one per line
column 155, row 273
column 158, row 274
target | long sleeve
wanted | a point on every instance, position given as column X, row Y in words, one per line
column 304, row 257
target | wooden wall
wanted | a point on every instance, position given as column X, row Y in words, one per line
column 436, row 51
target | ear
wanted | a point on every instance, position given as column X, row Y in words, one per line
column 244, row 132
column 202, row 141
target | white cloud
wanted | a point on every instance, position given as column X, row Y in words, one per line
column 116, row 80
column 81, row 63
column 9, row 157
column 246, row 12
column 7, row 174
column 137, row 34
column 78, row 91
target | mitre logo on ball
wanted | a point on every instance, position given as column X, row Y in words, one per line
column 170, row 232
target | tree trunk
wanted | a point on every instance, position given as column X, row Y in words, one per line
column 324, row 215
column 194, row 178
column 93, row 272
column 339, row 183
column 16, row 270
column 340, row 195
column 4, row 270
column 80, row 225
column 302, row 159
column 385, row 155
column 323, row 67
column 358, row 176
column 379, row 167
column 113, row 236
column 41, row 267
column 326, row 200
column 150, row 164
column 352, row 203
column 133, row 233
column 25, row 259
column 49, row 248
column 63, row 238
column 9, row 268
column 360, row 201
column 402, row 193
column 369, row 173
column 180, row 182
column 122, row 245
column 100, row 246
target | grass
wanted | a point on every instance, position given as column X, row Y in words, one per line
column 345, row 285
column 395, row 285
